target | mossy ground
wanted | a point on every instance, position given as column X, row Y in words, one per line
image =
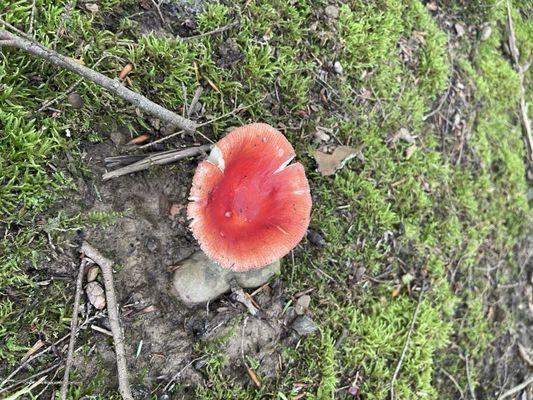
column 417, row 215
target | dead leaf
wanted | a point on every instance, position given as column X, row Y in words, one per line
column 396, row 291
column 125, row 71
column 328, row 164
column 92, row 273
column 459, row 29
column 432, row 6
column 526, row 354
column 139, row 139
column 405, row 135
column 410, row 151
column 92, row 7
column 38, row 344
column 95, row 293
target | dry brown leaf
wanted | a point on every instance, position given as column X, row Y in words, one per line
column 404, row 135
column 38, row 344
column 95, row 293
column 125, row 71
column 92, row 7
column 396, row 291
column 432, row 6
column 328, row 164
column 526, row 354
column 92, row 273
column 410, row 151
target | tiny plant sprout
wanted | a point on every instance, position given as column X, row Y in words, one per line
column 249, row 204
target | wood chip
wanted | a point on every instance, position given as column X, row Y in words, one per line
column 253, row 377
column 95, row 293
column 139, row 139
column 125, row 71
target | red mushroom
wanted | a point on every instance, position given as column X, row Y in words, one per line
column 249, row 205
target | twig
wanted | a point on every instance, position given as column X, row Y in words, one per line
column 73, row 328
column 523, row 385
column 106, row 266
column 44, row 351
column 158, row 8
column 454, row 381
column 228, row 114
column 170, row 385
column 213, row 32
column 112, row 85
column 469, row 381
column 69, row 89
column 160, row 159
column 405, row 345
column 441, row 103
column 17, row 384
column 526, row 123
column 194, row 101
column 32, row 17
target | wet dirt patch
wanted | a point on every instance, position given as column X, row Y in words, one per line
column 146, row 241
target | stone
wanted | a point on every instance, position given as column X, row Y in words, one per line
column 256, row 277
column 337, row 67
column 485, row 33
column 200, row 279
column 304, row 325
column 302, row 304
column 75, row 100
column 332, row 12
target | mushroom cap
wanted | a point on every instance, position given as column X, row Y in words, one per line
column 249, row 206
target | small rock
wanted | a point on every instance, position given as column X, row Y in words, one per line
column 459, row 29
column 92, row 7
column 332, row 12
column 303, row 325
column 256, row 277
column 302, row 304
column 92, row 273
column 117, row 138
column 151, row 244
column 75, row 100
column 316, row 238
column 485, row 33
column 199, row 280
column 95, row 293
column 337, row 67
column 321, row 136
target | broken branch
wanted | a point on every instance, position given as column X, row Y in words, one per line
column 112, row 85
column 165, row 157
column 106, row 266
column 73, row 329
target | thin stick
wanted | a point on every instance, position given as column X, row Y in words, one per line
column 112, row 85
column 162, row 159
column 228, row 114
column 170, row 384
column 470, row 386
column 69, row 89
column 73, row 328
column 194, row 101
column 405, row 345
column 106, row 266
column 454, row 381
column 213, row 32
column 32, row 17
column 523, row 385
column 526, row 123
column 44, row 351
